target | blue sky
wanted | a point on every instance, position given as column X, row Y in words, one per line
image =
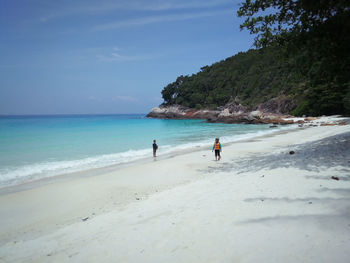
column 95, row 57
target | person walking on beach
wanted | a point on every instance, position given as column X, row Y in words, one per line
column 155, row 147
column 217, row 147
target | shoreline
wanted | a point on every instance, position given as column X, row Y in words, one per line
column 25, row 185
column 36, row 179
column 143, row 212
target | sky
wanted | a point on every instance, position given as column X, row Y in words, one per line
column 108, row 57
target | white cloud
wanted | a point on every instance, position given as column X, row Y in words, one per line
column 93, row 98
column 125, row 98
column 174, row 5
column 114, row 98
column 114, row 56
column 102, row 7
column 156, row 19
column 117, row 54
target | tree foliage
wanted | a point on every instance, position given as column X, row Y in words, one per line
column 249, row 78
column 317, row 34
column 302, row 52
column 284, row 20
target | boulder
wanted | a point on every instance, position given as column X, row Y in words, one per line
column 225, row 113
column 310, row 119
column 256, row 114
column 232, row 112
column 279, row 105
column 277, row 121
column 206, row 114
column 285, row 122
column 169, row 112
column 181, row 112
column 328, row 124
column 335, row 178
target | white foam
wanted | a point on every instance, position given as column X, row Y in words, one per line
column 16, row 175
column 231, row 138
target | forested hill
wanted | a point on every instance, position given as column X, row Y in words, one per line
column 254, row 77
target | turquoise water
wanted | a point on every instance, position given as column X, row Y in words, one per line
column 33, row 147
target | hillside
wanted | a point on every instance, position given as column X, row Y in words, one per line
column 256, row 76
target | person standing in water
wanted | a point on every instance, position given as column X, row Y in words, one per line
column 217, row 147
column 155, row 147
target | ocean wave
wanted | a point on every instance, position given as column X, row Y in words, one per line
column 17, row 175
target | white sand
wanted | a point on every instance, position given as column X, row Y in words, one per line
column 188, row 208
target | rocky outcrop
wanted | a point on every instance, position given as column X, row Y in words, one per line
column 230, row 113
column 279, row 105
column 252, row 117
column 233, row 108
column 180, row 112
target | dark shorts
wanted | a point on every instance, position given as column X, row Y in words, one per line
column 217, row 152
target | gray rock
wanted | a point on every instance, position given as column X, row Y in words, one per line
column 279, row 105
column 269, row 112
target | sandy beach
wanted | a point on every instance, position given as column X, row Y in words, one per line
column 258, row 204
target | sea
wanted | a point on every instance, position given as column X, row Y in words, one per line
column 37, row 147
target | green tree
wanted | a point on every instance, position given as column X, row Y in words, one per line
column 279, row 20
column 302, row 54
column 170, row 92
column 315, row 34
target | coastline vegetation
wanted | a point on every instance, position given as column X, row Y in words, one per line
column 301, row 52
